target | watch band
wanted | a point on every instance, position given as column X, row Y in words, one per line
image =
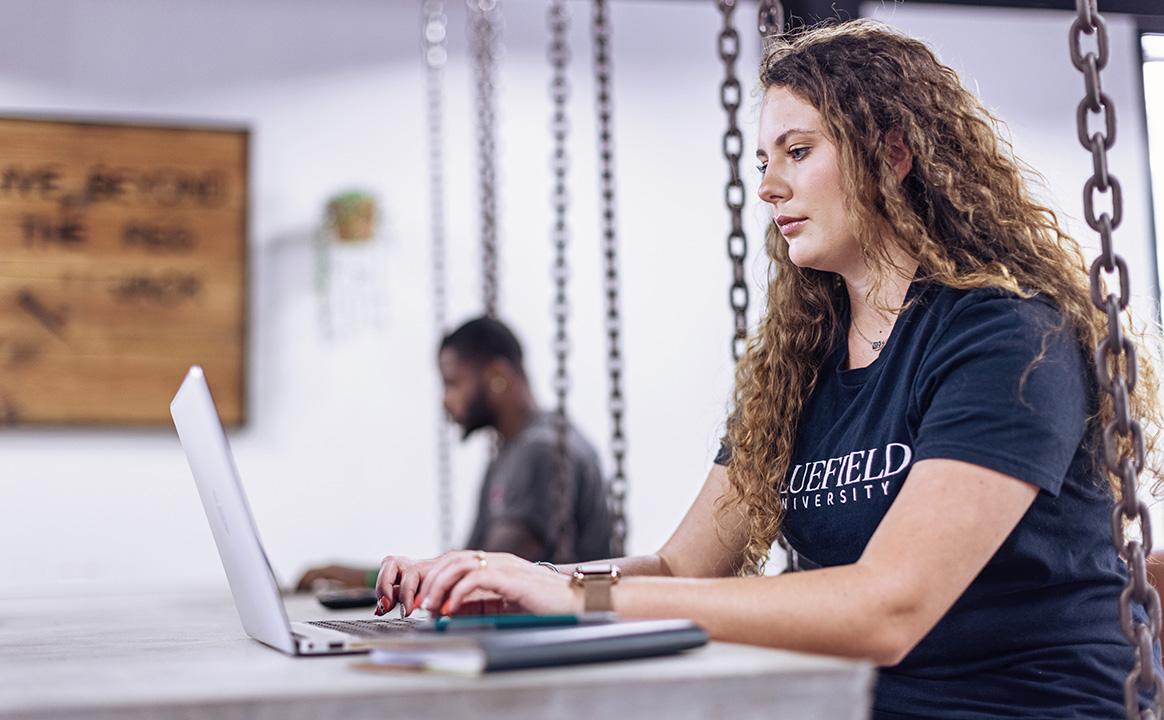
column 596, row 581
column 596, row 595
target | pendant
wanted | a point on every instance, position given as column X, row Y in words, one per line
column 877, row 345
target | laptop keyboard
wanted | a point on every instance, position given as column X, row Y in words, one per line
column 367, row 628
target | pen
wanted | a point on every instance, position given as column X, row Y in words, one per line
column 502, row 622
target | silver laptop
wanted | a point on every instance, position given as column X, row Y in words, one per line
column 256, row 594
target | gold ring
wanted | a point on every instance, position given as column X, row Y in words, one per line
column 480, row 558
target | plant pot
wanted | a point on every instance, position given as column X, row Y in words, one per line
column 352, row 218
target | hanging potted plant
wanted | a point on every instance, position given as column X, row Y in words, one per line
column 352, row 216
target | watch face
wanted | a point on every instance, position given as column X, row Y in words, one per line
column 595, row 569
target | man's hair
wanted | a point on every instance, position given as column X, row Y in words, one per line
column 484, row 339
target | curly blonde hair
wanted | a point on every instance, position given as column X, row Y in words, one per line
column 963, row 212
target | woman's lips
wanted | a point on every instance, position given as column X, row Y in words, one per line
column 790, row 226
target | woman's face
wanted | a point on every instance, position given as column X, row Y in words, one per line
column 802, row 185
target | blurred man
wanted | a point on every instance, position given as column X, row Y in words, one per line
column 485, row 386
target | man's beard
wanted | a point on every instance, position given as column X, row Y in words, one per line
column 478, row 415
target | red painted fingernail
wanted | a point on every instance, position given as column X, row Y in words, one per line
column 445, row 608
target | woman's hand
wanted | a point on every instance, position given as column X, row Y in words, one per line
column 453, row 577
column 397, row 582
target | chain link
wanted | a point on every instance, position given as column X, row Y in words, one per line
column 614, row 360
column 434, row 32
column 484, row 18
column 559, row 55
column 771, row 20
column 1123, row 441
column 730, row 94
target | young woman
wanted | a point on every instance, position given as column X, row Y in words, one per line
column 916, row 414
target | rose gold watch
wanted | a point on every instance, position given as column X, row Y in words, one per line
column 596, row 580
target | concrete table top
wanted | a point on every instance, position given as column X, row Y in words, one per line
column 185, row 656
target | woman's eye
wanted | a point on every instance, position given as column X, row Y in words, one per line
column 798, row 153
column 763, row 168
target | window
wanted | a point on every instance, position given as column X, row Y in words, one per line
column 1153, row 47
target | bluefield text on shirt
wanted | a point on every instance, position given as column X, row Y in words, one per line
column 861, row 469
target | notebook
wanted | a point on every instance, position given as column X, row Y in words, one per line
column 493, row 651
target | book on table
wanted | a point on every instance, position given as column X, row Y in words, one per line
column 491, row 650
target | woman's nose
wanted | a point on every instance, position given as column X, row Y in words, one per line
column 772, row 188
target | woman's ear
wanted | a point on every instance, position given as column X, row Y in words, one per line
column 900, row 156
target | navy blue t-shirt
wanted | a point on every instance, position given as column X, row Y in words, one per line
column 1037, row 632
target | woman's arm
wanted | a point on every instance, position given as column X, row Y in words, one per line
column 945, row 525
column 947, row 522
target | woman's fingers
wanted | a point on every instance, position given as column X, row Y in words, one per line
column 437, row 570
column 437, row 584
column 479, row 580
column 409, row 582
column 517, row 586
column 492, row 574
column 389, row 571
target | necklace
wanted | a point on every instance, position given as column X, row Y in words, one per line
column 875, row 344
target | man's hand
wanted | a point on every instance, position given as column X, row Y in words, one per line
column 334, row 576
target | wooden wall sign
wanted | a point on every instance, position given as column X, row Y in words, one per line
column 122, row 263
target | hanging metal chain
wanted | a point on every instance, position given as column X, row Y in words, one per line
column 771, row 20
column 435, row 36
column 614, row 362
column 484, row 17
column 559, row 55
column 1123, row 439
column 733, row 146
column 770, row 23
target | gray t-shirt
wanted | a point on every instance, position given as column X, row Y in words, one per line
column 520, row 487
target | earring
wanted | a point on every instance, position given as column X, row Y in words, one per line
column 498, row 384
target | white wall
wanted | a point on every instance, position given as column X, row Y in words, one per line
column 338, row 456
